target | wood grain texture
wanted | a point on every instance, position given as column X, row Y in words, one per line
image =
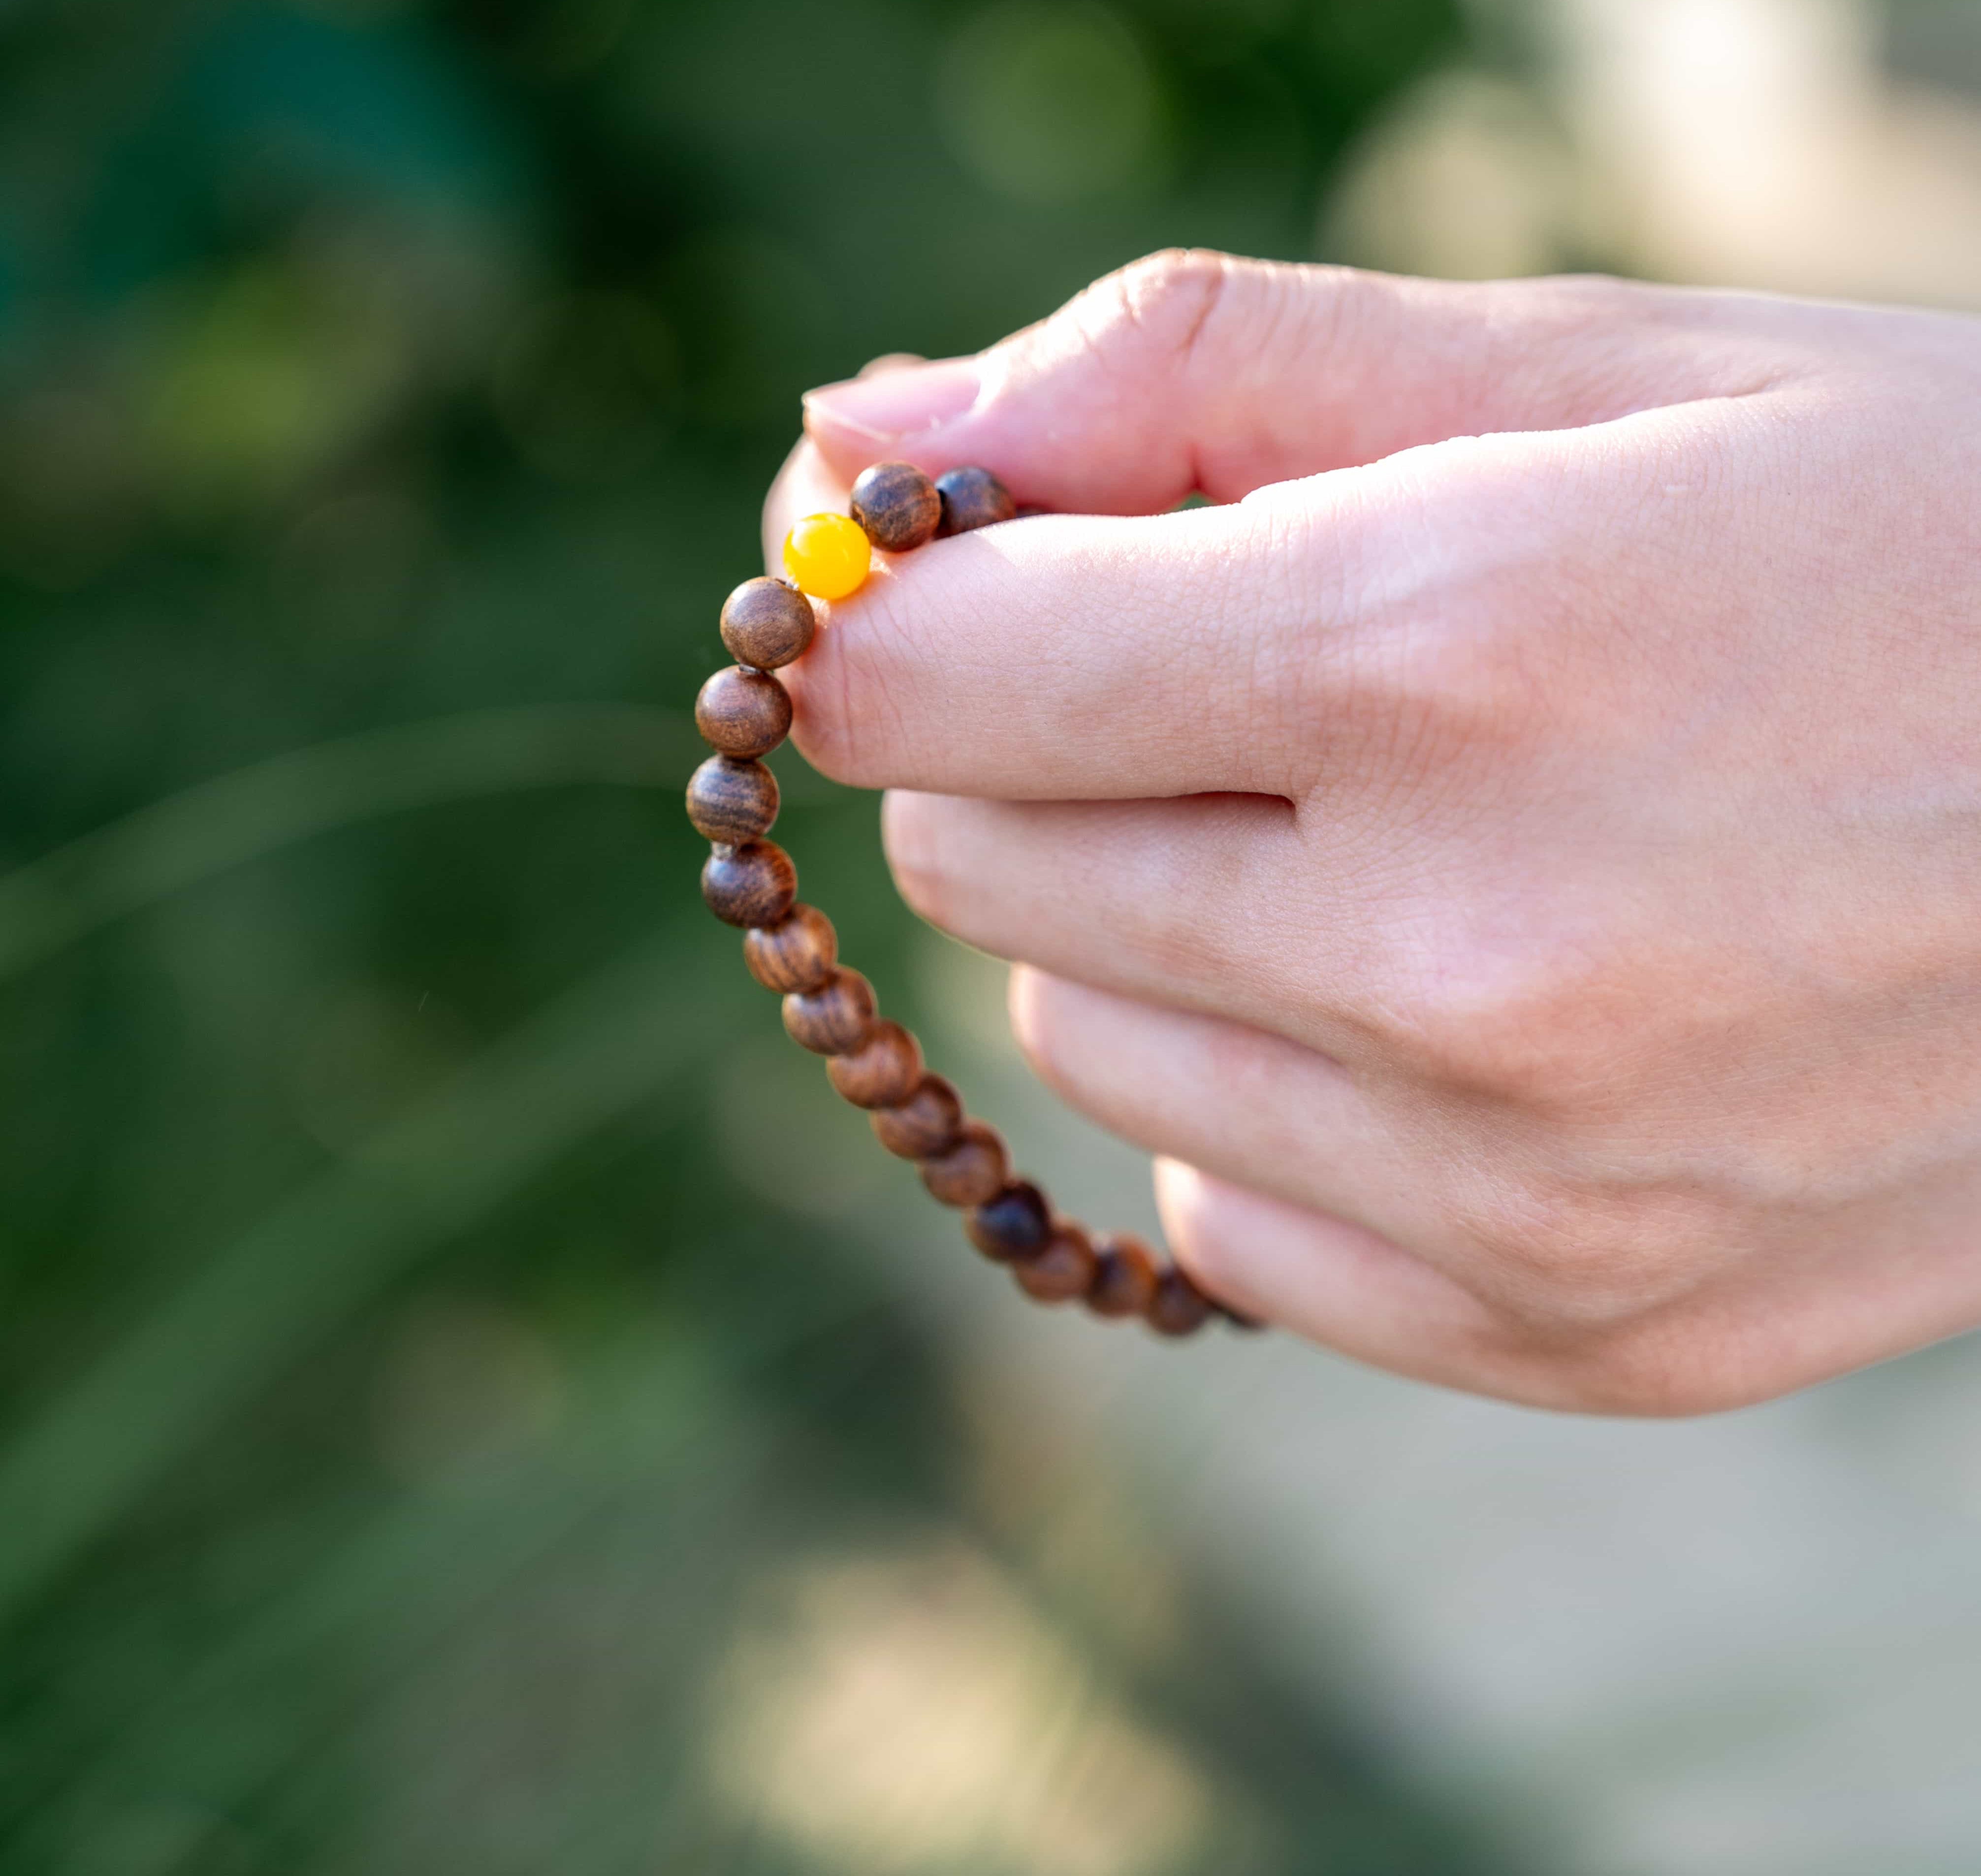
column 885, row 1069
column 796, row 952
column 927, row 1122
column 972, row 498
column 972, row 1171
column 731, row 800
column 1061, row 1270
column 833, row 1019
column 1013, row 1224
column 766, row 623
column 752, row 884
column 743, row 712
column 1124, row 1275
column 897, row 505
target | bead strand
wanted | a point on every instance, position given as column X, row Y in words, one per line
column 743, row 713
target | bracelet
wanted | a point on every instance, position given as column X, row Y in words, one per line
column 744, row 712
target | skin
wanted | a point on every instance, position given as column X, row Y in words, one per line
column 1516, row 856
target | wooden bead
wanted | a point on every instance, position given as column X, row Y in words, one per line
column 897, row 505
column 1178, row 1307
column 1061, row 1270
column 1124, row 1275
column 796, row 953
column 1013, row 1224
column 885, row 1069
column 743, row 712
column 972, row 498
column 833, row 1019
column 752, row 884
column 730, row 801
column 766, row 623
column 973, row 1169
column 927, row 1122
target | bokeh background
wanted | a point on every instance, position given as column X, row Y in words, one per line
column 472, row 1402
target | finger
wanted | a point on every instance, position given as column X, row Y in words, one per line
column 1194, row 371
column 1196, row 902
column 1074, row 656
column 1250, row 1107
column 1345, row 1286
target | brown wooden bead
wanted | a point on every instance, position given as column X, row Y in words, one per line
column 1061, row 1270
column 1178, row 1307
column 886, row 1068
column 752, row 884
column 897, row 505
column 1013, row 1224
column 766, row 623
column 927, row 1122
column 972, row 1171
column 1124, row 1275
column 796, row 953
column 972, row 498
column 730, row 801
column 833, row 1019
column 743, row 712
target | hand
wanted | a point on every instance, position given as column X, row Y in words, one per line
column 1517, row 857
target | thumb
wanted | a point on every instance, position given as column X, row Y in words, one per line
column 1193, row 371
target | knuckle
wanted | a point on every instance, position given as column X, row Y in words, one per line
column 1576, row 1258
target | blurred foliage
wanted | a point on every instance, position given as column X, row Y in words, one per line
column 404, row 1379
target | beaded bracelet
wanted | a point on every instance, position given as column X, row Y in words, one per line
column 732, row 798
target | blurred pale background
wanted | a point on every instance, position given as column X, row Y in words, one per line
column 472, row 1400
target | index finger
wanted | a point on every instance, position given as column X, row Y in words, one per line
column 1065, row 657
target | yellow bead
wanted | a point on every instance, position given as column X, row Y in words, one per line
column 828, row 555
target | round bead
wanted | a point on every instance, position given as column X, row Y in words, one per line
column 833, row 1019
column 972, row 1171
column 1014, row 1224
column 752, row 884
column 1061, row 1270
column 927, row 1122
column 730, row 801
column 828, row 555
column 743, row 712
column 1124, row 1275
column 897, row 505
column 886, row 1068
column 796, row 953
column 1178, row 1307
column 766, row 623
column 972, row 498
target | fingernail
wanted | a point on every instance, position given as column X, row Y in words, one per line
column 880, row 411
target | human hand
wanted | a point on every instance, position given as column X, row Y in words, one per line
column 1517, row 859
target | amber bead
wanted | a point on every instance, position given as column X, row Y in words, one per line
column 927, row 1122
column 886, row 1068
column 796, row 953
column 972, row 498
column 1178, row 1307
column 752, row 884
column 833, row 1019
column 1013, row 1224
column 1059, row 1269
column 1124, row 1275
column 971, row 1172
column 743, row 712
column 766, row 623
column 897, row 505
column 730, row 801
column 828, row 555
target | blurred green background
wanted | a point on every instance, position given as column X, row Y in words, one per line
column 424, row 1425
